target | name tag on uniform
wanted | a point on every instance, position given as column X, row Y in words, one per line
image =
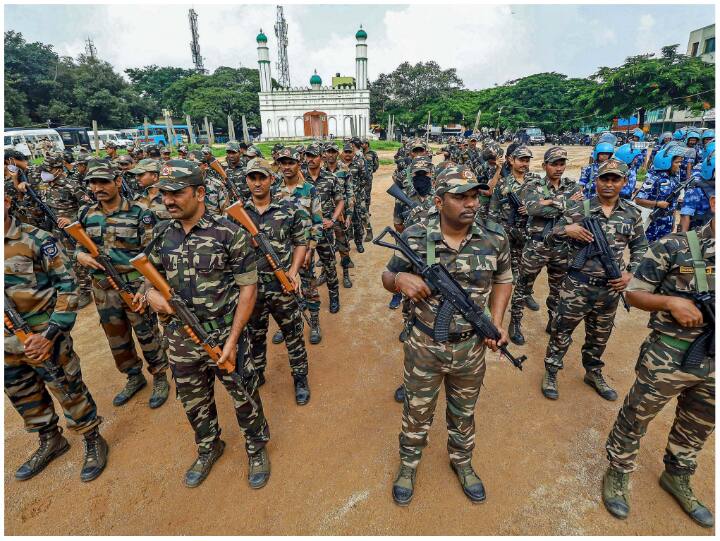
column 691, row 270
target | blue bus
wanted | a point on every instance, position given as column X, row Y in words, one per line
column 157, row 134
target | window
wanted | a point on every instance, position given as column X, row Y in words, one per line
column 709, row 46
column 694, row 49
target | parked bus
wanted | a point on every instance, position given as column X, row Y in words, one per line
column 157, row 134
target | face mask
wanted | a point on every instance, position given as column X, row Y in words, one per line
column 47, row 176
column 422, row 184
column 13, row 168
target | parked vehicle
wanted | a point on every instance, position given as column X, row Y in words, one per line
column 115, row 136
column 73, row 136
column 29, row 140
column 157, row 134
column 530, row 136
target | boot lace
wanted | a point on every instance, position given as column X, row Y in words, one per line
column 91, row 449
column 257, row 460
column 551, row 377
column 406, row 471
column 684, row 487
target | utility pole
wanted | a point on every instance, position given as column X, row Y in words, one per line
column 283, row 67
column 427, row 130
column 477, row 121
column 246, row 134
column 195, row 43
column 188, row 121
column 231, row 129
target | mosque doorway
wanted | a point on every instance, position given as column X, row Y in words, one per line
column 315, row 124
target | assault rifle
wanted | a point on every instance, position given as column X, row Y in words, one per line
column 454, row 299
column 116, row 281
column 259, row 240
column 600, row 248
column 215, row 165
column 17, row 325
column 49, row 213
column 400, row 195
column 515, row 219
column 190, row 323
column 671, row 198
column 703, row 345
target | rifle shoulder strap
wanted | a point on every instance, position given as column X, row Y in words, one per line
column 586, row 208
column 430, row 255
column 699, row 265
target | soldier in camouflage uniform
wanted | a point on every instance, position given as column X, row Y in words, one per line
column 360, row 173
column 17, row 174
column 587, row 294
column 209, row 262
column 111, row 152
column 216, row 195
column 673, row 267
column 545, row 200
column 285, row 227
column 147, row 173
column 488, row 173
column 165, row 154
column 235, row 169
column 129, row 183
column 331, row 191
column 514, row 221
column 302, row 194
column 65, row 197
column 418, row 149
column 121, row 229
column 182, row 152
column 40, row 282
column 341, row 230
column 373, row 163
column 477, row 254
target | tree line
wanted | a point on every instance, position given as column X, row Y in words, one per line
column 41, row 87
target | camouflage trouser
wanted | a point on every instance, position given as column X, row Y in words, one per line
column 596, row 305
column 659, row 379
column 427, row 364
column 361, row 219
column 326, row 254
column 309, row 287
column 368, row 197
column 342, row 242
column 272, row 301
column 535, row 257
column 194, row 374
column 27, row 388
column 81, row 272
column 118, row 322
column 517, row 243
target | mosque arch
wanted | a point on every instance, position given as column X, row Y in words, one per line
column 332, row 125
column 299, row 126
column 283, row 127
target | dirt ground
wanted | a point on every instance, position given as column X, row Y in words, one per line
column 333, row 461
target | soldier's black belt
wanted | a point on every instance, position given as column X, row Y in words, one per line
column 587, row 279
column 538, row 238
column 453, row 337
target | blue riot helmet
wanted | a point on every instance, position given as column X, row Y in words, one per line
column 626, row 153
column 710, row 148
column 678, row 135
column 707, row 169
column 637, row 132
column 607, row 137
column 602, row 148
column 665, row 137
column 664, row 157
column 708, row 134
column 692, row 134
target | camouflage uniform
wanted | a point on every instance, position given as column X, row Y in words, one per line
column 285, row 227
column 358, row 170
column 585, row 295
column 482, row 260
column 340, row 229
column 216, row 196
column 236, row 177
column 657, row 187
column 40, row 281
column 373, row 163
column 667, row 269
column 121, row 235
column 537, row 255
column 150, row 196
column 205, row 267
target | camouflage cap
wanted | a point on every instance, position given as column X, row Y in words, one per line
column 355, row 141
column 347, row 147
column 252, row 151
column 53, row 159
column 455, row 179
column 300, row 148
column 277, row 146
column 259, row 165
column 232, row 146
column 178, row 174
column 289, row 153
column 124, row 159
column 613, row 167
column 472, row 138
column 206, row 150
column 100, row 169
column 150, row 148
column 183, row 149
column 418, row 143
column 165, row 150
column 314, row 149
column 365, row 141
column 554, row 154
column 331, row 147
column 421, row 163
column 522, row 152
column 147, row 165
column 110, row 144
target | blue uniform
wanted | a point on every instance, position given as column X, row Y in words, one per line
column 696, row 204
column 657, row 187
column 589, row 174
column 686, row 161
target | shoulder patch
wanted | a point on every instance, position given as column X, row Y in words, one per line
column 147, row 219
column 49, row 248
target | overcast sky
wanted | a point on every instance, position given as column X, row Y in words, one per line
column 487, row 44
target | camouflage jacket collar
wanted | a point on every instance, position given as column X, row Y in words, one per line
column 299, row 186
column 275, row 203
column 434, row 232
column 207, row 220
column 14, row 233
column 564, row 183
column 124, row 206
column 596, row 208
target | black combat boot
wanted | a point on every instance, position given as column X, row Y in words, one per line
column 678, row 486
column 471, row 484
column 52, row 445
column 549, row 384
column 302, row 390
column 515, row 332
column 346, row 278
column 346, row 262
column 359, row 247
column 400, row 394
column 134, row 383
column 160, row 390
column 404, row 485
column 531, row 303
column 334, row 295
column 278, row 337
column 369, row 234
column 258, row 469
column 595, row 379
column 84, row 299
column 203, row 464
column 315, row 332
column 96, row 452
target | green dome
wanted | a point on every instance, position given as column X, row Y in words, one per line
column 361, row 34
column 261, row 37
column 315, row 79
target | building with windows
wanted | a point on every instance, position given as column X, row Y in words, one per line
column 702, row 43
column 315, row 111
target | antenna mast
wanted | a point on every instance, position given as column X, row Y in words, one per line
column 282, row 64
column 195, row 43
column 90, row 50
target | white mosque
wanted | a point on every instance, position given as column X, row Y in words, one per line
column 340, row 110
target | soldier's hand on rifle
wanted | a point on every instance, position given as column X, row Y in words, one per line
column 22, row 187
column 685, row 312
column 619, row 284
column 578, row 232
column 308, row 257
column 229, row 355
column 37, row 347
column 412, row 286
column 662, row 204
column 577, row 196
column 327, row 224
column 63, row 222
column 157, row 302
column 523, row 210
column 86, row 260
column 139, row 301
column 494, row 345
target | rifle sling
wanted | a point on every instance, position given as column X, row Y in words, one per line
column 699, row 265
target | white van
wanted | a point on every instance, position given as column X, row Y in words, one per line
column 113, row 135
column 26, row 140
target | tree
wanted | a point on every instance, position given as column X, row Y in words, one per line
column 152, row 81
